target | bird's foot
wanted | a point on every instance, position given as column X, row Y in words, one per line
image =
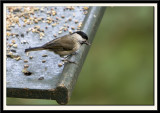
column 68, row 61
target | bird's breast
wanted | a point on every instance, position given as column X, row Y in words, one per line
column 77, row 46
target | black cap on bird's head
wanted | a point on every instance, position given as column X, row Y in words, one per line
column 82, row 34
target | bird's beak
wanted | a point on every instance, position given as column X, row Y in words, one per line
column 86, row 42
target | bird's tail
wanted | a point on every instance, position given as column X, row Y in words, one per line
column 34, row 49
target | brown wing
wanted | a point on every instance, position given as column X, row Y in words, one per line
column 61, row 44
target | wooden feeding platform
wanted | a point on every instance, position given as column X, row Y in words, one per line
column 39, row 74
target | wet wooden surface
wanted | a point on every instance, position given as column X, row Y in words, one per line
column 47, row 80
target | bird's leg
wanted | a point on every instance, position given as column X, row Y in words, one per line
column 68, row 61
column 67, row 56
column 74, row 53
column 65, row 59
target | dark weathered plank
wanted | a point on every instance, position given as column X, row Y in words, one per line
column 71, row 71
column 48, row 81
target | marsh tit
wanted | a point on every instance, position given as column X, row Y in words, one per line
column 65, row 45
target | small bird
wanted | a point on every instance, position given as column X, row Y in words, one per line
column 65, row 45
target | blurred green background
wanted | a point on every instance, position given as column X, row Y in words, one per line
column 119, row 67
